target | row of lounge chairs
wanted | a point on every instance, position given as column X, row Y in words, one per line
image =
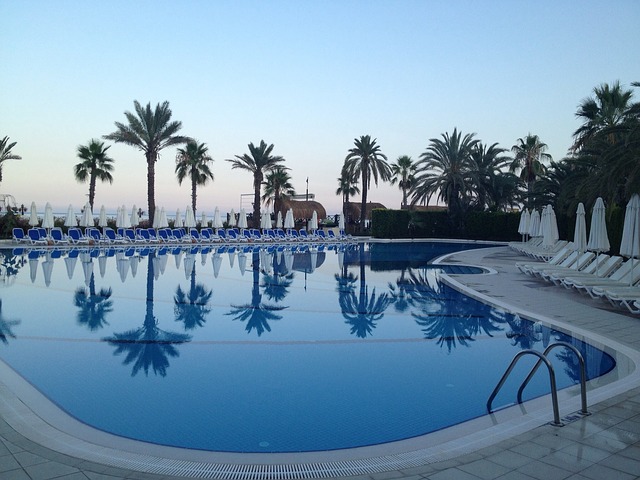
column 610, row 278
column 92, row 235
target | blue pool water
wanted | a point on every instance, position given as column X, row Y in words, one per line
column 264, row 351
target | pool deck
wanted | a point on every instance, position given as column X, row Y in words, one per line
column 605, row 445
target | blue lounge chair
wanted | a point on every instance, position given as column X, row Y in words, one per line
column 19, row 236
column 303, row 234
column 142, row 234
column 57, row 237
column 77, row 237
column 166, row 235
column 153, row 234
column 235, row 236
column 195, row 235
column 110, row 235
column 35, row 237
column 94, row 235
column 208, row 235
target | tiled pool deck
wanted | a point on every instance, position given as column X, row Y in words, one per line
column 605, row 445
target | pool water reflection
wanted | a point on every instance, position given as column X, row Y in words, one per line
column 263, row 349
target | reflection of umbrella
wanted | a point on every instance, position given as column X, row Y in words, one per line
column 288, row 219
column 232, row 256
column 340, row 259
column 70, row 263
column 242, row 262
column 341, row 221
column 313, row 254
column 242, row 221
column 33, row 217
column 133, row 262
column 122, row 265
column 33, row 265
column 580, row 232
column 216, row 259
column 47, row 222
column 87, row 216
column 135, row 220
column 70, row 220
column 87, row 268
column 217, row 221
column 102, row 263
column 178, row 221
column 178, row 257
column 630, row 245
column 279, row 220
column 232, row 218
column 523, row 226
column 189, row 264
column 288, row 260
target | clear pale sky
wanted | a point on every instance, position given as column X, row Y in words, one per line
column 307, row 76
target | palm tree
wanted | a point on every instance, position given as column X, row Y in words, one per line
column 403, row 173
column 447, row 168
column 347, row 187
column 5, row 153
column 277, row 187
column 95, row 165
column 530, row 155
column 150, row 131
column 193, row 161
column 488, row 164
column 602, row 113
column 259, row 161
column 366, row 160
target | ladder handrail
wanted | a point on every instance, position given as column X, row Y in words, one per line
column 583, row 373
column 552, row 381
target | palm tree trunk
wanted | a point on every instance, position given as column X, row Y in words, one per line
column 193, row 196
column 92, row 189
column 151, row 186
column 257, row 182
column 363, row 207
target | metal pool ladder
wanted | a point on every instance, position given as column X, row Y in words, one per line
column 542, row 357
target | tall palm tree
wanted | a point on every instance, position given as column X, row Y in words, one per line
column 488, row 164
column 447, row 168
column 149, row 131
column 6, row 154
column 95, row 165
column 277, row 187
column 193, row 161
column 602, row 113
column 366, row 160
column 347, row 187
column 530, row 153
column 403, row 172
column 259, row 161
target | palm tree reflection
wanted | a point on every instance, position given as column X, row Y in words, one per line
column 192, row 308
column 361, row 312
column 148, row 347
column 5, row 327
column 93, row 306
column 444, row 316
column 256, row 313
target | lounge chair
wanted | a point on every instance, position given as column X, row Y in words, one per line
column 627, row 274
column 557, row 258
column 165, row 235
column 580, row 264
column 110, row 235
column 153, row 235
column 538, row 268
column 235, row 236
column 19, row 236
column 602, row 267
column 57, row 237
column 76, row 236
column 208, row 235
column 35, row 237
column 195, row 235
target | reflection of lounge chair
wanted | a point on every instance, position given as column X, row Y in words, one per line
column 19, row 236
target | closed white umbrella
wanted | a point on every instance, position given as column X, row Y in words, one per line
column 178, row 221
column 189, row 218
column 313, row 223
column 47, row 222
column 341, row 222
column 580, row 231
column 242, row 220
column 550, row 229
column 126, row 219
column 598, row 238
column 102, row 219
column 289, row 222
column 86, row 220
column 523, row 226
column 163, row 219
column 33, row 215
column 279, row 220
column 156, row 218
column 135, row 220
column 534, row 226
column 70, row 220
column 204, row 221
column 119, row 218
column 630, row 245
column 232, row 218
column 265, row 221
column 217, row 220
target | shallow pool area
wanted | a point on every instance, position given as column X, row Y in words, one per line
column 264, row 350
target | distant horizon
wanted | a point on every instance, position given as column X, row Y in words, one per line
column 307, row 77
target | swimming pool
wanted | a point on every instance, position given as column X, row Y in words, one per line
column 263, row 351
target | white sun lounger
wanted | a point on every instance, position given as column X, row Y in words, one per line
column 602, row 267
column 581, row 263
column 556, row 260
column 623, row 276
